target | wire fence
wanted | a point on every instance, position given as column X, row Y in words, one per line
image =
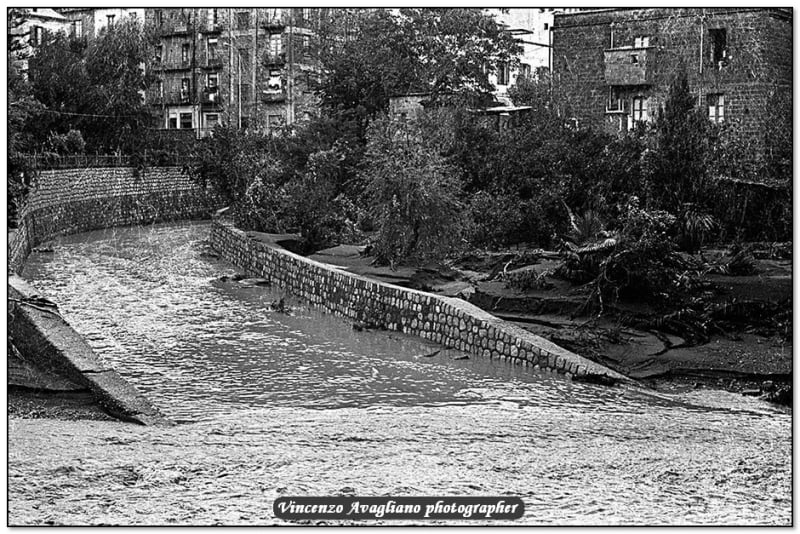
column 54, row 161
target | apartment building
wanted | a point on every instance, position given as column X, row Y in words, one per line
column 86, row 23
column 245, row 67
column 532, row 28
column 615, row 66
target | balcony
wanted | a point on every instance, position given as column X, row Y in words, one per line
column 269, row 97
column 273, row 25
column 177, row 97
column 214, row 62
column 173, row 28
column 176, row 65
column 275, row 59
column 629, row 66
column 210, row 97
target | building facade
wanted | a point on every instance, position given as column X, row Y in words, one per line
column 87, row 22
column 31, row 30
column 615, row 66
column 532, row 28
column 242, row 67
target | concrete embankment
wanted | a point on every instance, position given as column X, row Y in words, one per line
column 46, row 342
column 450, row 322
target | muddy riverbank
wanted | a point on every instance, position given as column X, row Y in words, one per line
column 751, row 355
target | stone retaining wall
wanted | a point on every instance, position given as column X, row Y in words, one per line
column 450, row 322
column 69, row 201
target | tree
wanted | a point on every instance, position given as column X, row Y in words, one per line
column 96, row 89
column 677, row 166
column 414, row 195
column 443, row 52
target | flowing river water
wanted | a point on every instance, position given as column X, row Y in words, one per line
column 271, row 404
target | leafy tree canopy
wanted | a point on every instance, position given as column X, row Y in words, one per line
column 380, row 53
column 95, row 88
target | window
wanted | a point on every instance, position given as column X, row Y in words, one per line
column 306, row 14
column 641, row 42
column 244, row 96
column 158, row 17
column 546, row 26
column 640, row 109
column 634, row 59
column 212, row 119
column 274, row 44
column 77, row 28
column 185, row 89
column 110, row 19
column 306, row 43
column 719, row 45
column 173, row 123
column 186, row 121
column 212, row 82
column 159, row 55
column 502, row 73
column 524, row 70
column 616, row 102
column 161, row 88
column 212, row 48
column 242, row 20
column 213, row 17
column 36, row 35
column 185, row 53
column 716, row 107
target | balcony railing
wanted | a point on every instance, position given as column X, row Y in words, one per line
column 275, row 59
column 272, row 96
column 629, row 66
column 210, row 97
column 214, row 62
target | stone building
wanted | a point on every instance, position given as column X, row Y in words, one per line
column 245, row 67
column 615, row 66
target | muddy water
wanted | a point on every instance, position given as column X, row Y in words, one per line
column 301, row 404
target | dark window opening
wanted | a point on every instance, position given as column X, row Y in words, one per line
column 242, row 20
column 502, row 74
column 186, row 121
column 719, row 44
column 185, row 53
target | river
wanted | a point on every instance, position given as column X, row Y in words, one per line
column 300, row 403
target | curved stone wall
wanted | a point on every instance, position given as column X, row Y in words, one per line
column 69, row 201
column 79, row 200
column 449, row 321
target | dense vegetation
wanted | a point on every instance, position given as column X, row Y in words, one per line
column 424, row 190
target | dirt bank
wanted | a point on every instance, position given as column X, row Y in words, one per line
column 751, row 352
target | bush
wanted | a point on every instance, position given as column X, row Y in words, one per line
column 413, row 193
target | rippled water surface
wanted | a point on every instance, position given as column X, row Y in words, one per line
column 302, row 404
